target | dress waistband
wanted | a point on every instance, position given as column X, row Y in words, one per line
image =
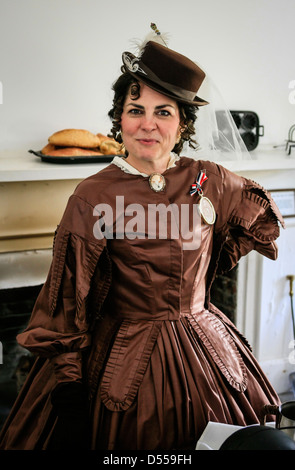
column 170, row 316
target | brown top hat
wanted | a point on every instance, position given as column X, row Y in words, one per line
column 167, row 72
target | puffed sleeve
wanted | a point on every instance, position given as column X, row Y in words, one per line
column 253, row 224
column 59, row 325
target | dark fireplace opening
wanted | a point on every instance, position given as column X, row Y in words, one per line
column 16, row 305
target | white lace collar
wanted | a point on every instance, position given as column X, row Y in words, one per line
column 127, row 168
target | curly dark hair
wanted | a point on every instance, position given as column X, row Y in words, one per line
column 126, row 82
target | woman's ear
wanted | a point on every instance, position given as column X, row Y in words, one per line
column 181, row 129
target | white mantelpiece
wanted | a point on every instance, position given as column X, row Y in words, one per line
column 33, row 196
column 21, row 166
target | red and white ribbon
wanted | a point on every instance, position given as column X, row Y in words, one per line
column 197, row 186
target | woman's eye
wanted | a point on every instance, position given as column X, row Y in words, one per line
column 135, row 111
column 164, row 112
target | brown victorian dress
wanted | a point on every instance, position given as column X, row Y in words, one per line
column 131, row 315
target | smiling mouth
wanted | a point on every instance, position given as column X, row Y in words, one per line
column 147, row 141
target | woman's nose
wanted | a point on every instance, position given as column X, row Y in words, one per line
column 148, row 123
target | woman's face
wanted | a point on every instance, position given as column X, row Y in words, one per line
column 149, row 125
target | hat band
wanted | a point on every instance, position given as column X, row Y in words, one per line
column 136, row 66
column 178, row 91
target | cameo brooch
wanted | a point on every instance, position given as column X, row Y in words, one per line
column 157, row 182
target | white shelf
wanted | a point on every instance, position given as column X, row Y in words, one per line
column 20, row 165
column 264, row 159
column 24, row 166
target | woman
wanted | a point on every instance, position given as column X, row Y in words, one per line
column 132, row 354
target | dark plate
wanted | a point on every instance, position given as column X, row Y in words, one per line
column 74, row 159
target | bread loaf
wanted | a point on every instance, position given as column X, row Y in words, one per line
column 74, row 138
column 69, row 152
column 48, row 148
column 75, row 142
column 110, row 147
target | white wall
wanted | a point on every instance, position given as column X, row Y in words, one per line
column 58, row 59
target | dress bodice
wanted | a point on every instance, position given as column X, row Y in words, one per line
column 160, row 249
column 149, row 275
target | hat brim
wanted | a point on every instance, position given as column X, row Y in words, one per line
column 197, row 101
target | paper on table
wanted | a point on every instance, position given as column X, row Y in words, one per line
column 215, row 434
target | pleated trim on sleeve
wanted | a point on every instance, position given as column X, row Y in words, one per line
column 127, row 363
column 273, row 207
column 100, row 286
column 60, row 245
column 86, row 258
column 92, row 254
column 221, row 347
column 258, row 214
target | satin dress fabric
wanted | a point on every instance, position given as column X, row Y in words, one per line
column 127, row 311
